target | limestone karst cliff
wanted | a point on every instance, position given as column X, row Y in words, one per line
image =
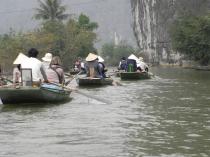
column 152, row 20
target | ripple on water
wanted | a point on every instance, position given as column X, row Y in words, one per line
column 164, row 116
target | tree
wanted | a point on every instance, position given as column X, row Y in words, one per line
column 78, row 42
column 190, row 37
column 67, row 40
column 51, row 10
column 113, row 53
column 84, row 23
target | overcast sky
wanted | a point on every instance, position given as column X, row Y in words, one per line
column 111, row 15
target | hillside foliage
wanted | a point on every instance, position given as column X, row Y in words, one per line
column 68, row 40
column 190, row 37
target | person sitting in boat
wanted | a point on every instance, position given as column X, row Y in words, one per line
column 16, row 74
column 83, row 67
column 38, row 73
column 132, row 63
column 55, row 73
column 92, row 66
column 142, row 66
column 122, row 64
column 101, row 67
column 46, row 60
column 17, row 69
column 77, row 65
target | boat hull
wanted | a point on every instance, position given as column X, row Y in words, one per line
column 32, row 95
column 73, row 72
column 134, row 75
column 94, row 81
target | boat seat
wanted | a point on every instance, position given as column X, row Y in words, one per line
column 26, row 77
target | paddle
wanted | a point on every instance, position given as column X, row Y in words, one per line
column 6, row 79
column 1, row 103
column 68, row 82
column 94, row 97
column 116, row 83
column 84, row 94
column 88, row 95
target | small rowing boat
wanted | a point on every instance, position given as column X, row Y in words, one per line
column 27, row 94
column 86, row 81
column 135, row 75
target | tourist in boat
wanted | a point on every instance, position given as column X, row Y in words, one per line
column 17, row 69
column 142, row 66
column 46, row 60
column 122, row 64
column 77, row 65
column 17, row 74
column 83, row 67
column 55, row 73
column 101, row 67
column 38, row 73
column 92, row 66
column 132, row 63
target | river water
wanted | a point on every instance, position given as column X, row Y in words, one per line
column 168, row 115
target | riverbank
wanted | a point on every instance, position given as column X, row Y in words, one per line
column 187, row 64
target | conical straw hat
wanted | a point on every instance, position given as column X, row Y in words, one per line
column 20, row 59
column 91, row 57
column 100, row 59
column 132, row 56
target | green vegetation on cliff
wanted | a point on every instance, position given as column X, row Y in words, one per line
column 190, row 37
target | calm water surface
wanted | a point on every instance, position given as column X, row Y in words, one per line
column 168, row 115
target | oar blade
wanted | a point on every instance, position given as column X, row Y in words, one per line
column 1, row 102
column 105, row 101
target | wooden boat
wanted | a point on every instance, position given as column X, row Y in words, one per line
column 28, row 94
column 86, row 81
column 135, row 75
column 74, row 72
column 117, row 74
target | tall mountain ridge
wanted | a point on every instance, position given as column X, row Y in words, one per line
column 152, row 21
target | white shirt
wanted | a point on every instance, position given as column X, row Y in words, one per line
column 35, row 65
column 82, row 65
column 142, row 65
column 45, row 65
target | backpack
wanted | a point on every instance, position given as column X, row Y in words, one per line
column 131, row 65
column 123, row 65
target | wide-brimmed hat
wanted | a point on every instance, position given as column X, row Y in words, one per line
column 141, row 59
column 47, row 57
column 20, row 59
column 132, row 56
column 91, row 57
column 100, row 59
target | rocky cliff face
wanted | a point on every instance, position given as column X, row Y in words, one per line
column 152, row 20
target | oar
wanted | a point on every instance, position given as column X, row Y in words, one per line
column 88, row 95
column 1, row 103
column 84, row 94
column 3, row 78
column 94, row 97
column 68, row 82
column 116, row 83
